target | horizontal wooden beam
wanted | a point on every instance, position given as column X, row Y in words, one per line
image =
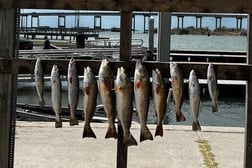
column 225, row 71
column 208, row 6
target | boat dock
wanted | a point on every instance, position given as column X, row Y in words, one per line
column 214, row 146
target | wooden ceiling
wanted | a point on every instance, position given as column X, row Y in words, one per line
column 211, row 6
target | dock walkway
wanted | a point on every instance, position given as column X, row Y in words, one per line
column 40, row 145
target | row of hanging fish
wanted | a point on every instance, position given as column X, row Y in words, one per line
column 194, row 90
column 117, row 96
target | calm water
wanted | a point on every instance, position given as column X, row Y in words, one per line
column 192, row 42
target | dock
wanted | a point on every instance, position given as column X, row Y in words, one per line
column 178, row 147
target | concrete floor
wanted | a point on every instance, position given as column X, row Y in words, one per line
column 40, row 145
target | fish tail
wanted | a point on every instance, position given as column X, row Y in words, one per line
column 58, row 124
column 73, row 121
column 42, row 103
column 145, row 134
column 159, row 130
column 196, row 126
column 111, row 132
column 214, row 108
column 88, row 132
column 180, row 117
column 129, row 140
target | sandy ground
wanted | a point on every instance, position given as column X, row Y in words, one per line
column 40, row 145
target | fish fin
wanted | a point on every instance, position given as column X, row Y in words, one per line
column 73, row 121
column 58, row 124
column 138, row 84
column 159, row 130
column 214, row 108
column 145, row 134
column 180, row 117
column 42, row 103
column 111, row 133
column 196, row 126
column 117, row 88
column 88, row 132
column 129, row 140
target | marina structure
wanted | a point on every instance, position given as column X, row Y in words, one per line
column 11, row 66
column 30, row 22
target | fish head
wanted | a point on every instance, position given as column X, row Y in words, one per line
column 193, row 77
column 71, row 62
column 55, row 68
column 174, row 69
column 104, row 70
column 121, row 77
column 210, row 70
column 140, row 70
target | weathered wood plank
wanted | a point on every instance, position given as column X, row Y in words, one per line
column 7, row 88
column 224, row 71
column 125, row 36
column 248, row 120
column 226, row 6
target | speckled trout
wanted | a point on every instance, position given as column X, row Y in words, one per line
column 39, row 81
column 56, row 95
column 73, row 91
column 90, row 94
column 212, row 87
column 194, row 98
column 177, row 82
column 142, row 96
column 105, row 85
column 159, row 98
column 124, row 105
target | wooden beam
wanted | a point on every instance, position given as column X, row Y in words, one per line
column 248, row 119
column 225, row 71
column 215, row 6
column 7, row 89
column 125, row 35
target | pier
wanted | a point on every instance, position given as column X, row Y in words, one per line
column 30, row 22
column 11, row 66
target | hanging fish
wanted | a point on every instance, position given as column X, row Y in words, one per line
column 159, row 98
column 39, row 81
column 194, row 98
column 56, row 92
column 177, row 82
column 106, row 84
column 90, row 95
column 124, row 105
column 73, row 90
column 141, row 92
column 212, row 87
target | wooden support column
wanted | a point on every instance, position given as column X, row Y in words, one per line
column 7, row 88
column 164, row 36
column 125, row 35
column 248, row 120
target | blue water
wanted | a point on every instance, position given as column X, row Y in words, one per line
column 192, row 42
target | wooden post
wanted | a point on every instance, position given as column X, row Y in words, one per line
column 164, row 36
column 7, row 89
column 248, row 125
column 151, row 34
column 122, row 149
column 125, row 35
